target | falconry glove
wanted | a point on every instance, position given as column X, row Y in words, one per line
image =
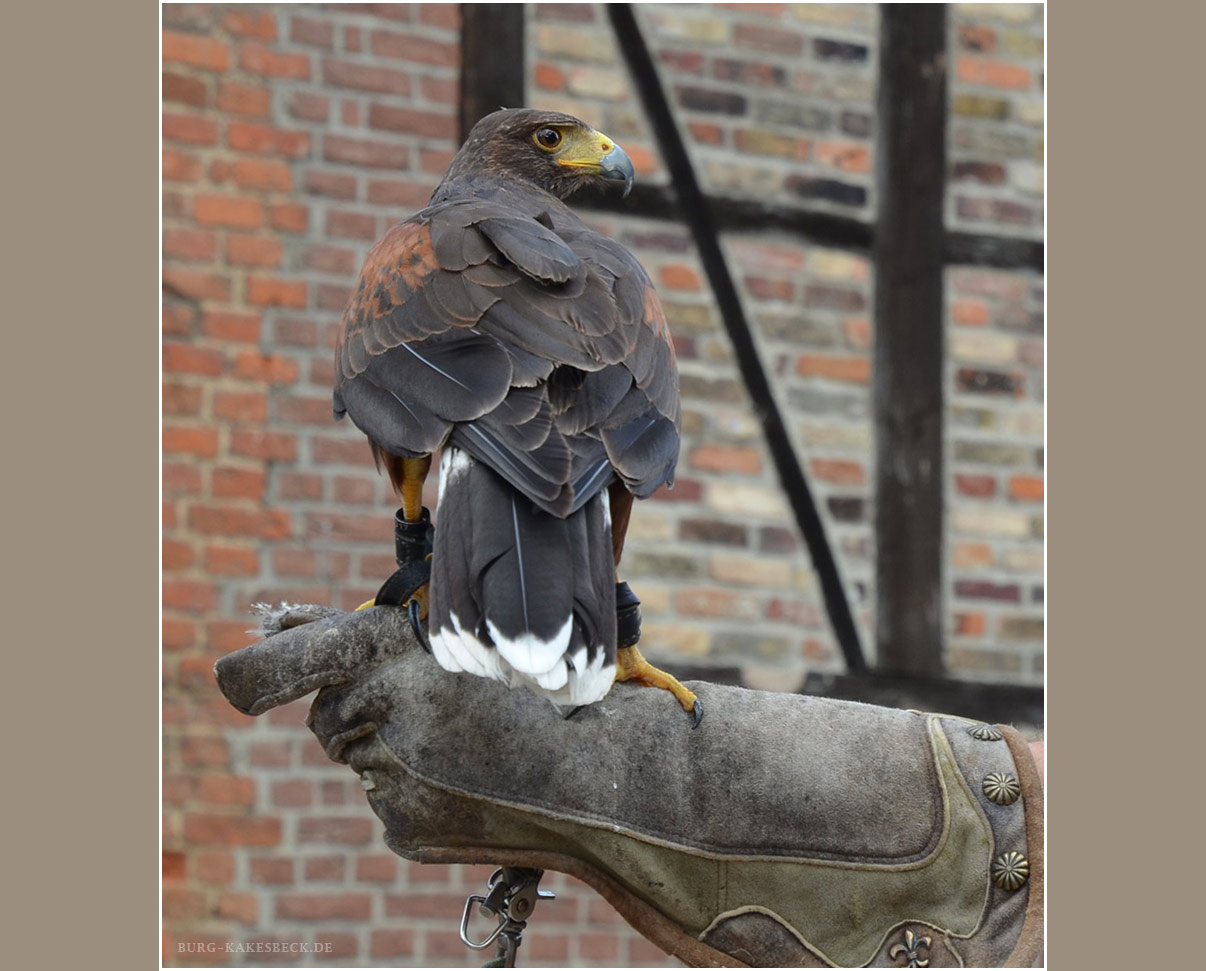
column 787, row 831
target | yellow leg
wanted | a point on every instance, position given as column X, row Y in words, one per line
column 410, row 484
column 632, row 666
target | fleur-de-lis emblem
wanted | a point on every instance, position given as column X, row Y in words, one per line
column 911, row 948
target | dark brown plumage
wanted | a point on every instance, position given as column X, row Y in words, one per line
column 496, row 326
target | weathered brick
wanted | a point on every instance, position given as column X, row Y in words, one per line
column 227, row 521
column 232, row 483
column 180, row 166
column 190, row 129
column 275, row 292
column 408, row 47
column 835, row 368
column 373, row 153
column 708, row 99
column 323, row 906
column 829, row 190
column 992, row 73
column 260, row 59
column 987, row 590
column 772, row 39
column 340, row 830
column 244, row 99
column 983, row 381
column 207, row 53
column 190, row 245
column 236, row 212
column 411, row 121
column 360, row 77
column 1027, row 488
column 243, row 136
column 190, row 440
column 183, row 89
column 996, row 521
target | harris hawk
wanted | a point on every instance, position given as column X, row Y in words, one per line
column 532, row 353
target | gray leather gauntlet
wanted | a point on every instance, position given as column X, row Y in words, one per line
column 786, row 831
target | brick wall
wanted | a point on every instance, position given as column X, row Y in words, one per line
column 293, row 135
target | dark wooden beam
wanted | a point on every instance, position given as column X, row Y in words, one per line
column 492, row 60
column 697, row 214
column 909, row 253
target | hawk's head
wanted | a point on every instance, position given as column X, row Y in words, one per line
column 558, row 153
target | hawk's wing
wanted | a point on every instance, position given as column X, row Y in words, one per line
column 499, row 319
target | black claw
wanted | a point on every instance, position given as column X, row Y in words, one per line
column 574, row 712
column 697, row 711
column 416, row 621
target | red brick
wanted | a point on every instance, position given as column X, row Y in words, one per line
column 181, row 904
column 243, row 908
column 195, row 51
column 169, row 515
column 275, row 292
column 339, row 830
column 371, row 153
column 970, row 555
column 249, row 406
column 192, row 129
column 228, row 561
column 227, row 790
column 214, row 866
column 386, row 43
column 232, row 211
column 347, row 74
column 178, row 634
column 727, row 458
column 253, row 250
column 446, row 15
column 334, row 185
column 351, row 225
column 176, row 554
column 972, row 624
column 292, row 793
column 289, row 217
column 396, row 192
column 185, row 90
column 970, row 312
column 394, row 943
column 313, row 33
column 244, row 99
column 231, row 326
column 859, row 333
column 678, row 277
column 196, row 284
column 324, row 906
column 839, row 472
column 267, row 446
column 180, row 166
column 685, row 490
column 270, row 368
column 441, row 90
column 190, row 596
column 225, row 521
column 214, row 828
column 191, row 440
column 979, row 486
column 267, row 870
column 244, row 136
column 427, row 905
column 410, row 121
column 377, row 869
column 435, row 161
column 762, row 288
column 846, row 156
column 1028, row 488
column 204, row 750
column 996, row 74
column 258, row 59
column 854, row 369
column 336, row 260
column 193, row 245
column 594, row 948
column 309, row 107
column 179, row 399
column 296, row 485
column 775, row 39
column 321, row 869
column 249, row 23
column 239, row 483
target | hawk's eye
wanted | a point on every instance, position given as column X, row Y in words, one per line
column 548, row 138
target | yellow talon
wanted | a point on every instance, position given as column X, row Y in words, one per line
column 367, row 604
column 632, row 666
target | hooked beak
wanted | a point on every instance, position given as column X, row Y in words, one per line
column 618, row 166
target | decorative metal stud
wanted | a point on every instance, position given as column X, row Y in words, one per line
column 911, row 949
column 1011, row 870
column 985, row 733
column 1001, row 788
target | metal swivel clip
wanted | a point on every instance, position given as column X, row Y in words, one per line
column 511, row 897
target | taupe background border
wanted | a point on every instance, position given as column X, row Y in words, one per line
column 1125, row 353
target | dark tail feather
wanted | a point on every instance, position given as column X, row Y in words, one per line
column 517, row 593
